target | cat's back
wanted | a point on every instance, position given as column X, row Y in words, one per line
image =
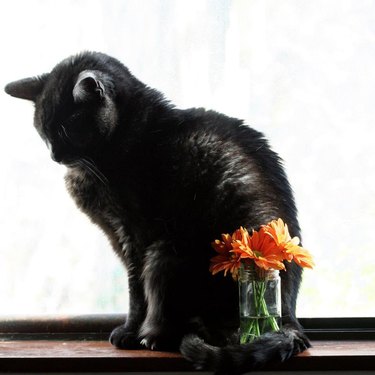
column 202, row 141
column 217, row 161
column 201, row 128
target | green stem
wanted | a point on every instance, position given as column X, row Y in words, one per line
column 259, row 288
column 271, row 320
column 256, row 305
column 259, row 320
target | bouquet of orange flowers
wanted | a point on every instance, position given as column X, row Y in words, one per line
column 259, row 253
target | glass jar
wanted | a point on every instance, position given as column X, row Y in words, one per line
column 260, row 302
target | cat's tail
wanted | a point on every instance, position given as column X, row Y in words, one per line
column 236, row 359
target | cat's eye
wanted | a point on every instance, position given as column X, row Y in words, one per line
column 63, row 135
column 75, row 130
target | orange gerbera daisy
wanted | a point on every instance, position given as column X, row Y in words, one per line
column 226, row 260
column 226, row 263
column 289, row 246
column 302, row 257
column 241, row 236
column 224, row 246
column 262, row 249
column 267, row 248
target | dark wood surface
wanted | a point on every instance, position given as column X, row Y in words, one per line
column 96, row 356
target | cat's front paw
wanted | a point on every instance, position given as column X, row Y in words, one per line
column 158, row 338
column 301, row 342
column 123, row 338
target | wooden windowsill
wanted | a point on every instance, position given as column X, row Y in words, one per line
column 98, row 355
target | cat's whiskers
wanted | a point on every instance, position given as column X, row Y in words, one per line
column 90, row 166
column 85, row 162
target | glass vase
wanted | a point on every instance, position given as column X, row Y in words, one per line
column 260, row 302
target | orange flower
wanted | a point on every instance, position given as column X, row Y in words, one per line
column 241, row 236
column 223, row 247
column 302, row 257
column 289, row 246
column 225, row 263
column 226, row 260
column 261, row 248
column 267, row 248
column 280, row 233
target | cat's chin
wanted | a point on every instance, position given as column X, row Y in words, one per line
column 70, row 164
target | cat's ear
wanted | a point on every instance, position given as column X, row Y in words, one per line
column 89, row 87
column 27, row 88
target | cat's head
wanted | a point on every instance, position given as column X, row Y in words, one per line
column 75, row 104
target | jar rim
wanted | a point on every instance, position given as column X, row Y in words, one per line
column 257, row 273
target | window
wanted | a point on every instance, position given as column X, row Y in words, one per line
column 300, row 71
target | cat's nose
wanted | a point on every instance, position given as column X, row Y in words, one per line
column 55, row 158
column 55, row 155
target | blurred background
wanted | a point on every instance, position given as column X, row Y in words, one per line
column 300, row 71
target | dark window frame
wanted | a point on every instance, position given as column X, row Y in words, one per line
column 358, row 328
column 99, row 326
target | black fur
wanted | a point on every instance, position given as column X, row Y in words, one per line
column 163, row 183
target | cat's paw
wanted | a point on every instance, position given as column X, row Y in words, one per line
column 289, row 342
column 123, row 338
column 301, row 342
column 160, row 339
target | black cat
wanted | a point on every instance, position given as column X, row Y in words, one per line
column 163, row 183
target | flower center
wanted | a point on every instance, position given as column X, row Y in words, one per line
column 258, row 254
